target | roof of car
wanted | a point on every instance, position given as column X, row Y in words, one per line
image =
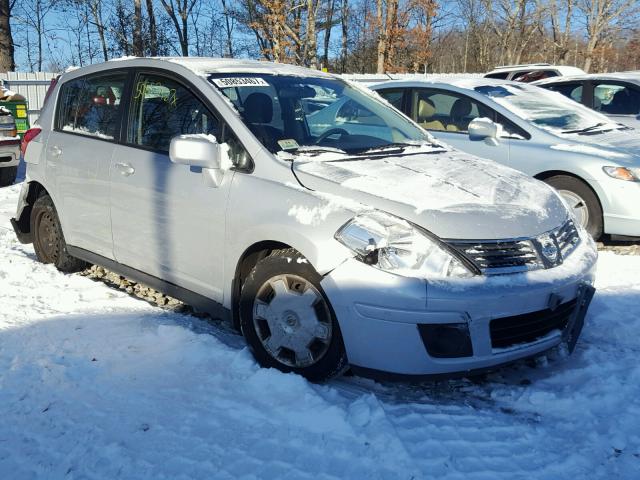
column 207, row 65
column 468, row 83
column 633, row 76
column 563, row 69
column 523, row 65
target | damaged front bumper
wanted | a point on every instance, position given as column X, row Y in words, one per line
column 415, row 327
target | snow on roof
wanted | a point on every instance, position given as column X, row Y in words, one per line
column 633, row 76
column 468, row 83
column 207, row 65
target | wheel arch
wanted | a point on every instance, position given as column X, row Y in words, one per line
column 249, row 258
column 554, row 173
column 34, row 190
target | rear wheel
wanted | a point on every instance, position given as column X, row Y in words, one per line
column 287, row 319
column 48, row 240
column 8, row 176
column 582, row 201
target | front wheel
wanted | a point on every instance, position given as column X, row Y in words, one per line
column 582, row 201
column 287, row 319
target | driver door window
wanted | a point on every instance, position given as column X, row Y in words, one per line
column 161, row 109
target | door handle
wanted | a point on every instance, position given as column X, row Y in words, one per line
column 125, row 169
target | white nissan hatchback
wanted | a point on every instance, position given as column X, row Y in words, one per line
column 331, row 229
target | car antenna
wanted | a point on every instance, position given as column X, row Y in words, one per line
column 390, row 77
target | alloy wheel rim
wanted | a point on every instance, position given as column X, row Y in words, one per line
column 292, row 320
column 578, row 206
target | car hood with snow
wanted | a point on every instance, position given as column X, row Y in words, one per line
column 623, row 146
column 451, row 194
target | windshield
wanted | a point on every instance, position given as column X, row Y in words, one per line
column 549, row 110
column 294, row 113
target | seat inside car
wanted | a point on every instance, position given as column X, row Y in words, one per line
column 258, row 113
column 99, row 116
column 426, row 113
column 460, row 111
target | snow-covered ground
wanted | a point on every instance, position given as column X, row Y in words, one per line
column 95, row 384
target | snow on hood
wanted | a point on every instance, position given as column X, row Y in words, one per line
column 453, row 195
column 617, row 145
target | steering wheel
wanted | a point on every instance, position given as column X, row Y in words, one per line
column 328, row 133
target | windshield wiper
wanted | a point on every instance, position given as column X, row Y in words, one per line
column 316, row 149
column 586, row 130
column 394, row 146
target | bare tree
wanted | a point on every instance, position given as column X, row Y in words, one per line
column 561, row 13
column 179, row 12
column 601, row 17
column 344, row 24
column 7, row 61
column 138, row 45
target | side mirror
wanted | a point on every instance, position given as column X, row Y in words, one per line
column 200, row 151
column 195, row 150
column 484, row 129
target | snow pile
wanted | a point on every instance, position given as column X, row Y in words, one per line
column 95, row 384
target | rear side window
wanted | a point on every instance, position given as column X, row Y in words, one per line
column 616, row 99
column 162, row 108
column 92, row 105
column 570, row 90
column 499, row 75
column 394, row 97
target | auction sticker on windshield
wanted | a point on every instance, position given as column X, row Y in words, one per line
column 239, row 82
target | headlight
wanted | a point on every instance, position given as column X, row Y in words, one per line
column 394, row 245
column 623, row 173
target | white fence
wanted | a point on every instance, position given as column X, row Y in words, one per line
column 32, row 85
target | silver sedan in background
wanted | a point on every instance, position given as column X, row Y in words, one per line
column 590, row 159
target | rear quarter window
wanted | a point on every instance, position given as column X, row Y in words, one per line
column 499, row 75
column 91, row 105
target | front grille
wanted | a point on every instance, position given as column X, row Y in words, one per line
column 526, row 328
column 495, row 257
column 567, row 237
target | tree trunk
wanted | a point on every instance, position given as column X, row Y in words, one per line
column 7, row 61
column 184, row 43
column 228, row 29
column 382, row 47
column 153, row 30
column 390, row 29
column 344, row 21
column 311, row 43
column 327, row 33
column 96, row 11
column 138, row 47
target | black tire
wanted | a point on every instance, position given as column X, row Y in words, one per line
column 333, row 361
column 48, row 240
column 595, row 223
column 8, row 176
